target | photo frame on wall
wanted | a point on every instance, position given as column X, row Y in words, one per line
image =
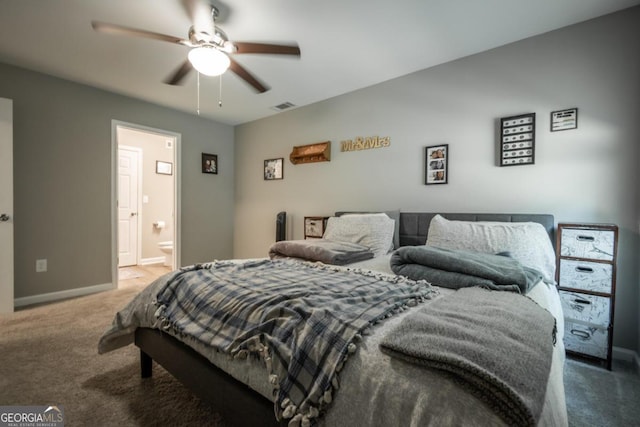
column 564, row 119
column 210, row 163
column 436, row 164
column 518, row 140
column 164, row 168
column 273, row 169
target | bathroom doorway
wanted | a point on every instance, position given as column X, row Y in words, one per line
column 145, row 203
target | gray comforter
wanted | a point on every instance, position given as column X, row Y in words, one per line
column 457, row 269
column 323, row 250
column 301, row 319
column 499, row 344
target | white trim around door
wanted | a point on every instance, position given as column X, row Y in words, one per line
column 6, row 206
column 115, row 124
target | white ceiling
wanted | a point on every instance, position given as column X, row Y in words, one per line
column 346, row 44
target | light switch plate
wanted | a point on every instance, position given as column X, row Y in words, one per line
column 41, row 265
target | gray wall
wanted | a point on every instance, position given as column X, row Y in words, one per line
column 62, row 180
column 589, row 174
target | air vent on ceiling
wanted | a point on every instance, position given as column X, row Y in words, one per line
column 283, row 106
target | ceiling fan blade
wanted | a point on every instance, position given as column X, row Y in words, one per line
column 277, row 49
column 104, row 27
column 180, row 73
column 247, row 77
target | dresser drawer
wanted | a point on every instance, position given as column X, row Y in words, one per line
column 590, row 309
column 590, row 244
column 591, row 276
column 586, row 339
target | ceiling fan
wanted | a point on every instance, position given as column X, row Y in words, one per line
column 211, row 50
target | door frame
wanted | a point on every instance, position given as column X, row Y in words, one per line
column 115, row 124
column 7, row 274
column 138, row 199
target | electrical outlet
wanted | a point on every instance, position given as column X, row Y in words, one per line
column 41, row 265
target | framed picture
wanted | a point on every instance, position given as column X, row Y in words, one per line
column 210, row 163
column 164, row 168
column 518, row 140
column 564, row 119
column 314, row 226
column 273, row 169
column 436, row 164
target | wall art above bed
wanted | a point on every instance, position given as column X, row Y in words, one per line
column 436, row 164
column 517, row 140
column 564, row 119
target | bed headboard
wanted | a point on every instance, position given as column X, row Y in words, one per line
column 414, row 226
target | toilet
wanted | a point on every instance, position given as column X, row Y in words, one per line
column 167, row 249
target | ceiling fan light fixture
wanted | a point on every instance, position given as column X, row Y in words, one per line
column 208, row 60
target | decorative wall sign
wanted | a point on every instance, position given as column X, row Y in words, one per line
column 517, row 140
column 365, row 143
column 210, row 163
column 436, row 164
column 564, row 119
column 164, row 168
column 273, row 169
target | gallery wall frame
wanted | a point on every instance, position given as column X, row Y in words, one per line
column 164, row 168
column 274, row 169
column 436, row 164
column 210, row 163
column 564, row 119
column 517, row 140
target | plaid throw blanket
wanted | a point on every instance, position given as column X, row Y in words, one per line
column 302, row 319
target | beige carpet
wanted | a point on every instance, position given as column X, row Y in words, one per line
column 48, row 356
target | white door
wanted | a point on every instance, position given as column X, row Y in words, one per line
column 128, row 182
column 6, row 205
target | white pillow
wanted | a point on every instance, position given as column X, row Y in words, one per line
column 528, row 242
column 374, row 231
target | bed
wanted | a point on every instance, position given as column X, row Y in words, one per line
column 375, row 386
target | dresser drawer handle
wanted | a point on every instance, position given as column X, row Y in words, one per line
column 581, row 301
column 584, row 238
column 581, row 269
column 580, row 334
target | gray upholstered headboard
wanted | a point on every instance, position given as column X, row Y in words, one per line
column 414, row 226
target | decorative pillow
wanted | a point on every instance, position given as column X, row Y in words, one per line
column 374, row 231
column 527, row 242
column 394, row 215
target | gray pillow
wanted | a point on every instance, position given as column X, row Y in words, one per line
column 527, row 242
column 374, row 231
column 394, row 215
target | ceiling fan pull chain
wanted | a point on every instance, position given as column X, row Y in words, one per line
column 220, row 93
column 198, row 92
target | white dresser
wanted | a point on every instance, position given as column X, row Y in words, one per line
column 586, row 275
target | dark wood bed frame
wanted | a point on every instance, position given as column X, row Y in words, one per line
column 238, row 404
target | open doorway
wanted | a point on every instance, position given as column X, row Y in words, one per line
column 145, row 203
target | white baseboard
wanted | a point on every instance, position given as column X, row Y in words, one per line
column 55, row 296
column 156, row 260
